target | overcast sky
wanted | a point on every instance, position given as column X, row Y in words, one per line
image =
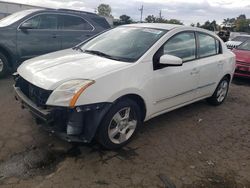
column 188, row 11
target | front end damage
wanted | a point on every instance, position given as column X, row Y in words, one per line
column 73, row 125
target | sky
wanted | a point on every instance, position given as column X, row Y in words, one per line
column 188, row 11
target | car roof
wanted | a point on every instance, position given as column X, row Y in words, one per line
column 65, row 11
column 155, row 25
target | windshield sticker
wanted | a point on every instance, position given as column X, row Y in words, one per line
column 154, row 31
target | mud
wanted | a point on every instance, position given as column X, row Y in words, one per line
column 30, row 163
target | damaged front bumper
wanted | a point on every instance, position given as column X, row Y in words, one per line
column 73, row 125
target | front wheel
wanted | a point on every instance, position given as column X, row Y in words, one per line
column 3, row 65
column 220, row 93
column 120, row 124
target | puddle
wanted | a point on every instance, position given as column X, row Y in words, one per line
column 32, row 162
column 42, row 161
column 126, row 153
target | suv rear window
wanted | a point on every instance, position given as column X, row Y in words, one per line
column 67, row 22
column 102, row 22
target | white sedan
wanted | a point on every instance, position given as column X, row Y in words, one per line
column 106, row 87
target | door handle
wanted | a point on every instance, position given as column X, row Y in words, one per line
column 54, row 36
column 194, row 71
column 220, row 63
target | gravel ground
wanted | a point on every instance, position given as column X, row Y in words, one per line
column 195, row 146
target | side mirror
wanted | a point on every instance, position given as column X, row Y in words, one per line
column 26, row 26
column 171, row 60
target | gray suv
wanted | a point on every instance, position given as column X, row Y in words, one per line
column 31, row 33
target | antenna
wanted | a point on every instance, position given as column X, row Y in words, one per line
column 141, row 10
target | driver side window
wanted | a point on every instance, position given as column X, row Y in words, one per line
column 182, row 45
column 45, row 21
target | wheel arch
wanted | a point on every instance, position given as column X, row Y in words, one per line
column 228, row 76
column 8, row 55
column 138, row 99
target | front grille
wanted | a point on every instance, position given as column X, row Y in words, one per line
column 243, row 63
column 230, row 46
column 37, row 95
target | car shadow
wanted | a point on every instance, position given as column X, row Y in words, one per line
column 241, row 81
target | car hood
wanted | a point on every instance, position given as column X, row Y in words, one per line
column 242, row 55
column 51, row 70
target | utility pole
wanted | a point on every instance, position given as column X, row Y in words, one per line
column 141, row 10
column 160, row 15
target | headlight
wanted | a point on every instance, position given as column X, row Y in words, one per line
column 70, row 91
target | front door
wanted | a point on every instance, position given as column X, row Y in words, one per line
column 40, row 38
column 174, row 86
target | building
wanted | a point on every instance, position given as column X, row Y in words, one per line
column 7, row 8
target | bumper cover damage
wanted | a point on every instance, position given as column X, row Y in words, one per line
column 73, row 125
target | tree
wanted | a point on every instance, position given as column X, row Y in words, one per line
column 174, row 21
column 153, row 19
column 242, row 24
column 124, row 19
column 150, row 19
column 192, row 25
column 212, row 26
column 229, row 22
column 198, row 24
column 104, row 10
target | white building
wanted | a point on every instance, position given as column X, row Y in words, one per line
column 7, row 8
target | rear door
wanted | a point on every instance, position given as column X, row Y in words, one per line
column 209, row 63
column 41, row 38
column 74, row 30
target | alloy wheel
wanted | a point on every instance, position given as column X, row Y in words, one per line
column 222, row 91
column 1, row 65
column 122, row 126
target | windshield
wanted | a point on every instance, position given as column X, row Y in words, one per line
column 241, row 38
column 123, row 43
column 245, row 46
column 15, row 17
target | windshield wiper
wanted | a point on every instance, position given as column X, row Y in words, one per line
column 95, row 52
column 78, row 48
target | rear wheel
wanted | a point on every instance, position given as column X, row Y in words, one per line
column 220, row 93
column 120, row 124
column 3, row 65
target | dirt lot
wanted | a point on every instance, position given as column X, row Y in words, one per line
column 196, row 146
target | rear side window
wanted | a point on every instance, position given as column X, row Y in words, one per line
column 67, row 22
column 208, row 45
column 102, row 22
column 182, row 45
column 44, row 21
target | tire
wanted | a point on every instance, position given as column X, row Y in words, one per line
column 220, row 93
column 119, row 125
column 3, row 65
